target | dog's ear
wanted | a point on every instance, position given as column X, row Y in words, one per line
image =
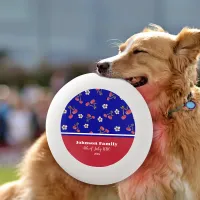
column 188, row 45
column 153, row 27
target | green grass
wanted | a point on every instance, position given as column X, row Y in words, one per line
column 7, row 174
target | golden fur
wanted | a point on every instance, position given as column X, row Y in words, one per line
column 172, row 168
column 43, row 179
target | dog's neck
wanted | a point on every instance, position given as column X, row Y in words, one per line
column 161, row 103
column 159, row 107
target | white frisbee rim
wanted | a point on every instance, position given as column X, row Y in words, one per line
column 143, row 130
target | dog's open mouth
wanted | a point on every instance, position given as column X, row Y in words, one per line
column 137, row 81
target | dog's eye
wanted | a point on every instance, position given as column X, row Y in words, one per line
column 136, row 51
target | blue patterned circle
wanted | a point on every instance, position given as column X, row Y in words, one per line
column 98, row 111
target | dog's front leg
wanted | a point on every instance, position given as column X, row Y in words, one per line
column 9, row 191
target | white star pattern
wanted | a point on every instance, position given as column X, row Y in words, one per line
column 80, row 116
column 105, row 106
column 100, row 119
column 117, row 128
column 86, row 125
column 87, row 92
column 64, row 127
column 116, row 111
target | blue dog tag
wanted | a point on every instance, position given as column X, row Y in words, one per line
column 190, row 105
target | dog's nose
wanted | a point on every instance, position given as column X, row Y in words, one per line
column 103, row 67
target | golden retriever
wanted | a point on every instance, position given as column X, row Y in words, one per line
column 163, row 69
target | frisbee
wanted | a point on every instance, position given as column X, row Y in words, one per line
column 99, row 129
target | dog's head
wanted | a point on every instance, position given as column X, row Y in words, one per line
column 155, row 60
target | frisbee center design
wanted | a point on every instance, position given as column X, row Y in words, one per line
column 97, row 127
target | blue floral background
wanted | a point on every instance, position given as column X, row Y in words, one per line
column 98, row 111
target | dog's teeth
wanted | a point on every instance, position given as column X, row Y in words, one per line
column 136, row 79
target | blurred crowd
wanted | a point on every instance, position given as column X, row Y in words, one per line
column 22, row 114
column 23, row 111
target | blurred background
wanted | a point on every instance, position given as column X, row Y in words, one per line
column 46, row 43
